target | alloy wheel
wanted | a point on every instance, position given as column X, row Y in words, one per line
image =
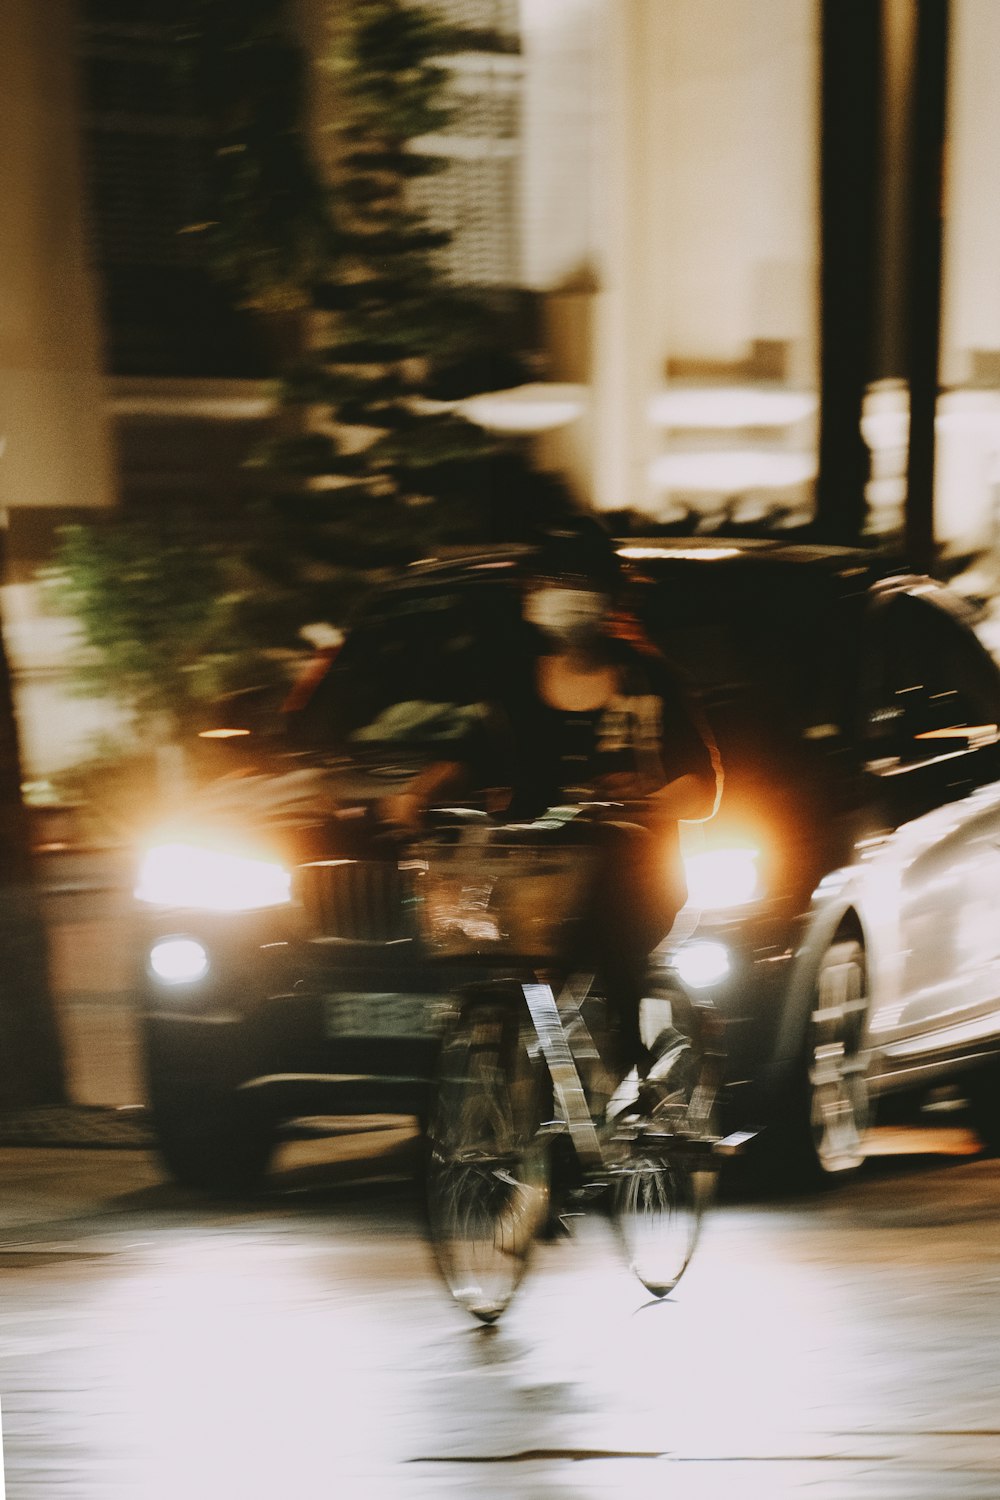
column 838, row 1061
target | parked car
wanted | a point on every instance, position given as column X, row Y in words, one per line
column 842, row 902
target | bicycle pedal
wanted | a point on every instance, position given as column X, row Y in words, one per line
column 735, row 1143
column 587, row 1192
column 650, row 1134
column 557, row 1227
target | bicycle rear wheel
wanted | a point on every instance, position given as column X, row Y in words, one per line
column 487, row 1161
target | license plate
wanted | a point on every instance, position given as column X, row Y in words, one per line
column 368, row 1014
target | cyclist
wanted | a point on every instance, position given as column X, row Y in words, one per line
column 586, row 714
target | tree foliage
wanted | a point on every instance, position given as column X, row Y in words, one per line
column 385, row 467
column 268, row 234
column 166, row 606
column 371, row 463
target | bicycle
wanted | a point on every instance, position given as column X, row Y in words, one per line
column 521, row 1072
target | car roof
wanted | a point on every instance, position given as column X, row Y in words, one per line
column 653, row 555
column 461, row 562
column 754, row 553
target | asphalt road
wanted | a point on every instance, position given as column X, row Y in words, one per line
column 300, row 1345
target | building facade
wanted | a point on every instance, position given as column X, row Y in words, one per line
column 644, row 174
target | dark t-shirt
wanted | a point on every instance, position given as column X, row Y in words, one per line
column 649, row 730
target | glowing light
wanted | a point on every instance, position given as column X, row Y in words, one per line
column 537, row 407
column 720, row 878
column 701, row 964
column 685, row 554
column 187, row 875
column 178, row 960
column 732, row 472
column 221, row 734
column 731, row 407
column 885, row 418
column 985, row 733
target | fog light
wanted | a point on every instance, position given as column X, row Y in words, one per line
column 701, row 964
column 178, row 960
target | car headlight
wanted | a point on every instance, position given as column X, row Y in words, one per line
column 178, row 960
column 718, row 879
column 201, row 879
column 702, row 964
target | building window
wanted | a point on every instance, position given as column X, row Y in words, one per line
column 148, row 157
column 476, row 198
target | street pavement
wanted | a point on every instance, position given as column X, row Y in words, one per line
column 155, row 1344
column 92, row 958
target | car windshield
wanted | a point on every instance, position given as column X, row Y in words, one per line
column 766, row 643
column 413, row 676
column 760, row 646
column 771, row 654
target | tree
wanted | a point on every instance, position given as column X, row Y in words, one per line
column 393, row 468
column 164, row 602
column 173, row 630
column 267, row 233
column 372, row 463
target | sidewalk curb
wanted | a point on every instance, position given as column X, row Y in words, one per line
column 82, row 1126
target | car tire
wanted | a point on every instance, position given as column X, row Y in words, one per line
column 208, row 1133
column 819, row 1135
column 212, row 1145
column 983, row 1092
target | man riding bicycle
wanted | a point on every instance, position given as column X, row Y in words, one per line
column 585, row 715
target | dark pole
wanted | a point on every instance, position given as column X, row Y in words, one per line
column 927, row 146
column 31, row 1064
column 849, row 137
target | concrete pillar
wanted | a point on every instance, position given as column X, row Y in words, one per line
column 52, row 424
column 629, row 345
column 593, row 202
column 698, row 184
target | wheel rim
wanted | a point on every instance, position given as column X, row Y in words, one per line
column 487, row 1182
column 658, row 1199
column 658, row 1205
column 838, row 1066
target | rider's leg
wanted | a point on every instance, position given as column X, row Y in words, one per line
column 631, row 911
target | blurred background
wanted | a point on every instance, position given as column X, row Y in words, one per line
column 690, row 261
column 294, row 292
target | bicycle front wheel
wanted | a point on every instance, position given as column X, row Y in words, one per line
column 662, row 1183
column 658, row 1204
column 487, row 1160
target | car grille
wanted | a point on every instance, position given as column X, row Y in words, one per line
column 359, row 901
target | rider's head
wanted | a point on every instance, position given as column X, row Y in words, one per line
column 572, row 580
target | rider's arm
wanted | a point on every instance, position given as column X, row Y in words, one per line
column 466, row 772
column 691, row 797
column 441, row 779
column 679, row 775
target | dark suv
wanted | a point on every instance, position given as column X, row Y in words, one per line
column 841, row 903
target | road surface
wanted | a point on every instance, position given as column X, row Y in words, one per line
column 300, row 1345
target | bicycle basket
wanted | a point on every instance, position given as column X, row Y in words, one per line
column 490, row 894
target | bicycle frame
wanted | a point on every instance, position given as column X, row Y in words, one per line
column 566, row 1082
